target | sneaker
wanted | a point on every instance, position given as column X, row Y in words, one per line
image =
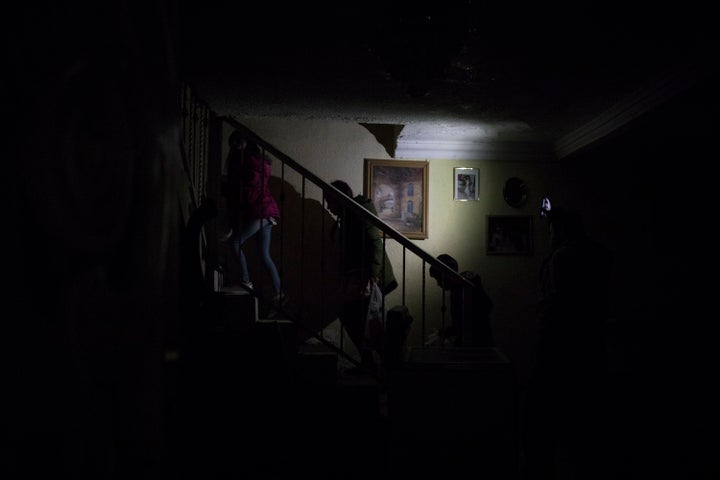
column 247, row 284
column 280, row 299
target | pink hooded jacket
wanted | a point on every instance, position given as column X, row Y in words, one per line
column 250, row 177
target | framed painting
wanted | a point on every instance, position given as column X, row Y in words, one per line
column 399, row 191
column 465, row 184
column 509, row 235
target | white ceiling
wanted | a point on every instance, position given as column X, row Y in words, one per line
column 464, row 78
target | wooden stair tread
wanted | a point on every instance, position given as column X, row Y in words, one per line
column 316, row 349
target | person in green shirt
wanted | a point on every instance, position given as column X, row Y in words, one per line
column 363, row 262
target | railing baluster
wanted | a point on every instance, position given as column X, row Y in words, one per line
column 282, row 213
column 322, row 265
column 302, row 241
column 404, row 250
column 423, row 307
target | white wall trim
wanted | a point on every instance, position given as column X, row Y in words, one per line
column 633, row 106
column 467, row 150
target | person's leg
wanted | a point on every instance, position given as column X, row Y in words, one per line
column 239, row 236
column 263, row 240
column 353, row 317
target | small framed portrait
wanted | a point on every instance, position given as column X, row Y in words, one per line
column 465, row 184
column 509, row 235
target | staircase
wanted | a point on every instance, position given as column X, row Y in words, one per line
column 250, row 399
column 258, row 397
column 253, row 402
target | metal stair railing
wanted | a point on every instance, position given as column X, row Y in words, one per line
column 387, row 232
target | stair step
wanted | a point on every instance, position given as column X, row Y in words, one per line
column 316, row 364
column 316, row 349
column 281, row 331
column 237, row 309
column 282, row 322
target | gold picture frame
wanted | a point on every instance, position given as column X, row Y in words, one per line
column 399, row 191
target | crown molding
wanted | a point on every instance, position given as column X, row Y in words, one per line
column 647, row 98
column 468, row 150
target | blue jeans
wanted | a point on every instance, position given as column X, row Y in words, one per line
column 262, row 228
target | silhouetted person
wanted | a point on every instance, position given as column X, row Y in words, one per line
column 363, row 262
column 564, row 408
column 481, row 305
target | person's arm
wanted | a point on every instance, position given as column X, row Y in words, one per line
column 374, row 236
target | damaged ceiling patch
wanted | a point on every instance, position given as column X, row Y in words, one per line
column 386, row 134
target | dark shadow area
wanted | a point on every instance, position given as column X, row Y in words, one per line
column 307, row 260
column 662, row 407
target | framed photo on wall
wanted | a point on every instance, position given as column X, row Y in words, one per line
column 399, row 191
column 465, row 186
column 509, row 235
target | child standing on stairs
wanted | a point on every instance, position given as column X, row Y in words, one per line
column 252, row 209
